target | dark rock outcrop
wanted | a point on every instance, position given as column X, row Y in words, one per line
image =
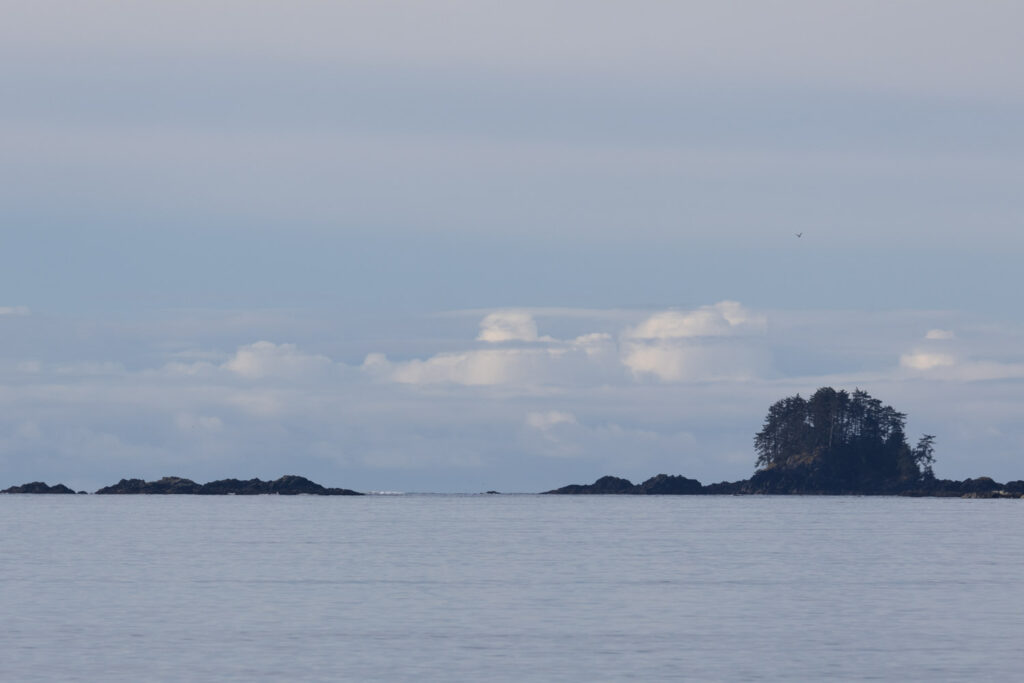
column 801, row 481
column 288, row 485
column 670, row 485
column 237, row 487
column 167, row 485
column 979, row 485
column 662, row 484
column 38, row 487
column 125, row 486
column 604, row 485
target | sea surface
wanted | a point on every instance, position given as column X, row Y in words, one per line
column 510, row 588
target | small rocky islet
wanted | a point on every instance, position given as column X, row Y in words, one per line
column 288, row 485
column 39, row 487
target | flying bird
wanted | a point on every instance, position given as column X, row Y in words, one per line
column 799, row 234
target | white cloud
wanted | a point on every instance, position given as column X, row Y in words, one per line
column 671, row 346
column 582, row 360
column 266, row 359
column 710, row 343
column 470, row 368
column 377, row 364
column 926, row 360
column 937, row 334
column 676, row 346
column 14, row 310
column 678, row 361
column 503, row 326
column 722, row 319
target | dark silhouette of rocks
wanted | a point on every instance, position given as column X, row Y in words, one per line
column 288, row 485
column 795, row 482
column 982, row 487
column 670, row 485
column 38, row 487
column 662, row 484
column 167, row 485
column 604, row 485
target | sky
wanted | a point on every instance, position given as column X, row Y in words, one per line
column 460, row 246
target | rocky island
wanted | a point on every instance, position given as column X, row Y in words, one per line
column 288, row 485
column 834, row 443
column 39, row 487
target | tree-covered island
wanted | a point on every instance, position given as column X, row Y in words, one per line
column 833, row 443
column 841, row 442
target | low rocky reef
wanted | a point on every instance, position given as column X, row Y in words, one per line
column 39, row 487
column 790, row 482
column 663, row 484
column 288, row 485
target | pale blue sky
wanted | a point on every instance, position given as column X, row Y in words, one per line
column 341, row 193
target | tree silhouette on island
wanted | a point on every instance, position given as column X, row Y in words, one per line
column 838, row 440
column 835, row 442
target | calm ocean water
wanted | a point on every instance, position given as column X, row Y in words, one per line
column 510, row 588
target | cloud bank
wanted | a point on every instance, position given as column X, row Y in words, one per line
column 535, row 398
